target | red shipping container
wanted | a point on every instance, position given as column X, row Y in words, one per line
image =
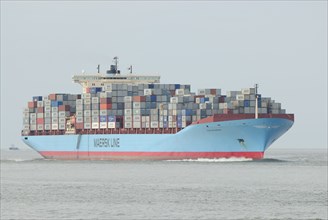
column 52, row 97
column 63, row 108
column 105, row 100
column 40, row 110
column 32, row 104
column 213, row 91
column 79, row 125
column 105, row 106
column 139, row 98
column 39, row 121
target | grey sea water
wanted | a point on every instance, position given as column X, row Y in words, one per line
column 288, row 184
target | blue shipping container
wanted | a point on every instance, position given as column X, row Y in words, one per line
column 103, row 118
column 56, row 103
column 37, row 98
column 246, row 103
column 153, row 98
column 111, row 118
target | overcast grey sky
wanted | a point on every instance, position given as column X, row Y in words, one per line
column 282, row 45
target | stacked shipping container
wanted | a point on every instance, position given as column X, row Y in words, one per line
column 139, row 106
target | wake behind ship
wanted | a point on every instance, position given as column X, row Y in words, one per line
column 132, row 116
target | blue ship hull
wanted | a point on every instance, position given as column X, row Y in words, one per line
column 247, row 138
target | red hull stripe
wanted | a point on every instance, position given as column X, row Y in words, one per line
column 147, row 155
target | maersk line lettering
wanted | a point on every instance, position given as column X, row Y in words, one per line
column 106, row 142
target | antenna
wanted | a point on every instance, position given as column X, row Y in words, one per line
column 130, row 68
column 256, row 101
column 98, row 68
column 116, row 64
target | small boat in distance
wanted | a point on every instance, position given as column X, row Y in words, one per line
column 12, row 147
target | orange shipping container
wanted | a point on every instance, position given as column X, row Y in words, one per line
column 139, row 98
column 63, row 108
column 52, row 97
column 105, row 106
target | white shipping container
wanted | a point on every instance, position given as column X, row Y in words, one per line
column 148, row 91
column 62, row 120
column 32, row 120
column 33, row 127
column 61, row 126
column 161, row 124
column 86, row 96
column 47, row 103
column 136, row 118
column 174, row 124
column 62, row 114
column 128, row 105
column 103, row 124
column 79, row 119
column 246, row 91
column 87, row 119
column 108, row 87
column 137, row 111
column 128, row 118
column 54, row 109
column 145, row 119
column 40, row 127
column 201, row 92
column 87, row 113
column 95, row 112
column 54, row 120
column 136, row 105
column 170, row 124
column 103, row 112
column 26, row 127
column 39, row 115
column 127, row 124
column 127, row 98
column 54, row 114
column 202, row 105
column 95, row 100
column 240, row 97
column 174, row 100
column 47, row 127
column 95, row 125
column 33, row 115
column 136, row 124
column 47, row 108
column 87, row 101
column 79, row 114
column 79, row 108
column 179, row 91
column 154, row 124
column 87, row 125
column 147, row 124
column 95, row 118
column 26, row 115
column 223, row 105
column 39, row 104
column 111, row 124
column 128, row 112
column 79, row 102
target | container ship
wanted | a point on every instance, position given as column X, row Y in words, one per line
column 135, row 117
